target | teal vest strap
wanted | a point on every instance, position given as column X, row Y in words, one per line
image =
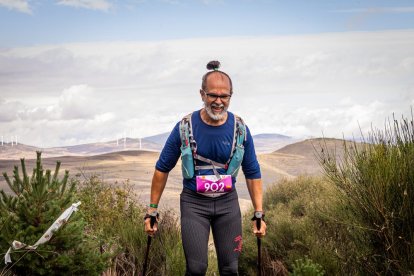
column 189, row 150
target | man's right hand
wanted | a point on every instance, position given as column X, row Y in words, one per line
column 151, row 231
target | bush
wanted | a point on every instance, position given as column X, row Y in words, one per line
column 298, row 225
column 25, row 215
column 116, row 220
column 357, row 220
column 306, row 267
column 376, row 185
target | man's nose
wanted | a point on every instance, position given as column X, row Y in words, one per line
column 218, row 100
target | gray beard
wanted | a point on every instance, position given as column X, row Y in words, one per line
column 215, row 117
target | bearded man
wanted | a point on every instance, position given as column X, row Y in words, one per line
column 213, row 144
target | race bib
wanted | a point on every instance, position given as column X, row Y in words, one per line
column 209, row 184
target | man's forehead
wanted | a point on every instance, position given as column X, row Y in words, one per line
column 217, row 77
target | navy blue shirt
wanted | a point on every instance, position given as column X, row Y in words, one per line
column 213, row 142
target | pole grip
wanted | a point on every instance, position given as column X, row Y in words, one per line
column 258, row 223
column 153, row 219
column 259, row 249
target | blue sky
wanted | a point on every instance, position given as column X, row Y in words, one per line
column 80, row 71
column 34, row 22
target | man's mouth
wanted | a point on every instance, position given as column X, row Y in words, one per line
column 217, row 108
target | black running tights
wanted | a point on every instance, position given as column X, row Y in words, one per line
column 222, row 214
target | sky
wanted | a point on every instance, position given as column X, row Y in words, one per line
column 81, row 71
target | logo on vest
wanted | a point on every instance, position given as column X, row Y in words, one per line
column 226, row 143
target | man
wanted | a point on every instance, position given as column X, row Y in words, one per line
column 214, row 139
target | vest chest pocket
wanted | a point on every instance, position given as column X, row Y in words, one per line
column 236, row 161
column 187, row 165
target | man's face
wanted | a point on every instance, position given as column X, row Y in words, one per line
column 217, row 85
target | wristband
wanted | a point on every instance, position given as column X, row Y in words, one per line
column 153, row 205
column 258, row 215
column 153, row 214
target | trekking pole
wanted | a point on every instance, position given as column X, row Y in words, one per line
column 259, row 248
column 153, row 219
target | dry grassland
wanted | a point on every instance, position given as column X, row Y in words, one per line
column 137, row 167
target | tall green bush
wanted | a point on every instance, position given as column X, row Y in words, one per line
column 36, row 202
column 298, row 227
column 115, row 218
column 376, row 185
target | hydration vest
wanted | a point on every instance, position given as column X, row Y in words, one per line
column 189, row 150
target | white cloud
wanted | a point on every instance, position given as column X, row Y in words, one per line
column 102, row 5
column 38, row 113
column 77, row 102
column 8, row 110
column 18, row 5
column 292, row 85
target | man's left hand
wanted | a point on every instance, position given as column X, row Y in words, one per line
column 259, row 233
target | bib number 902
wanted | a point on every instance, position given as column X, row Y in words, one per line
column 214, row 187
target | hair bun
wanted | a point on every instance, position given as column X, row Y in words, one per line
column 213, row 65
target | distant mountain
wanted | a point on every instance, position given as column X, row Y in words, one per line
column 7, row 151
column 264, row 143
column 271, row 136
column 158, row 139
column 113, row 146
column 269, row 142
column 309, row 147
column 301, row 157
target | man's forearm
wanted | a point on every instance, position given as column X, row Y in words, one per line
column 159, row 180
column 256, row 193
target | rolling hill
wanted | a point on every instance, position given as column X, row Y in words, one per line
column 137, row 166
column 23, row 151
column 269, row 142
column 264, row 143
column 302, row 157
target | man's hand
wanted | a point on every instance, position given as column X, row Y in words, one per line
column 256, row 194
column 151, row 231
column 259, row 233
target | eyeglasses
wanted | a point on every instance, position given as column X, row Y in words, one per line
column 213, row 97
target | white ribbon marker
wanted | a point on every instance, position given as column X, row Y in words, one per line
column 64, row 217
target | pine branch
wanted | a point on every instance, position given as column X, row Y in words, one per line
column 11, row 185
column 33, row 179
column 17, row 182
column 47, row 178
column 25, row 176
column 39, row 169
column 55, row 175
column 64, row 182
column 3, row 200
column 6, row 177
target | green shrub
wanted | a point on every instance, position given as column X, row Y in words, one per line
column 115, row 218
column 357, row 220
column 25, row 215
column 298, row 225
column 306, row 267
column 376, row 185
